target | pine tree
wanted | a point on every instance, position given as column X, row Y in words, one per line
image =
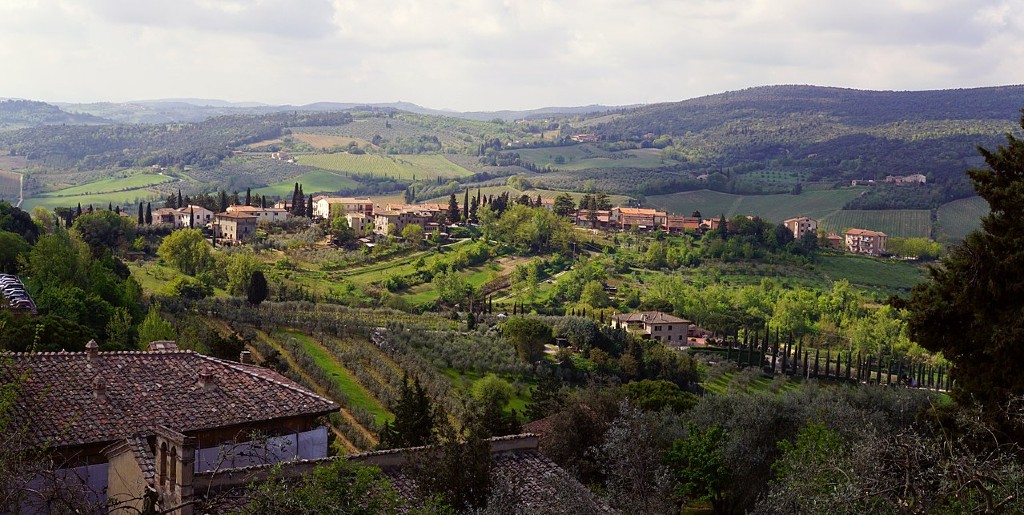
column 415, row 418
column 453, row 209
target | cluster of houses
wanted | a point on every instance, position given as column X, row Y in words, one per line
column 899, row 180
column 236, row 224
column 643, row 219
column 858, row 241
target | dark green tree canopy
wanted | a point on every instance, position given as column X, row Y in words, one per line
column 972, row 309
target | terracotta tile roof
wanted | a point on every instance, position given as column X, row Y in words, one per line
column 864, row 232
column 650, row 317
column 240, row 216
column 145, row 390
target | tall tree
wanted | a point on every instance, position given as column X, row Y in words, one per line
column 416, row 418
column 142, row 215
column 149, row 213
column 465, row 206
column 181, row 201
column 564, row 205
column 453, row 209
column 309, row 207
column 257, row 291
column 248, row 196
column 970, row 309
column 222, row 201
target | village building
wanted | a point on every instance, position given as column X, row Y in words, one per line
column 326, row 207
column 383, row 220
column 594, row 219
column 801, row 225
column 914, row 178
column 360, row 223
column 676, row 224
column 833, row 241
column 165, row 215
column 863, row 241
column 131, row 426
column 192, row 217
column 234, row 227
column 654, row 325
column 262, row 214
column 636, row 218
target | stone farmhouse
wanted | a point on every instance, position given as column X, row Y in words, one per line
column 134, row 427
column 234, row 227
column 654, row 325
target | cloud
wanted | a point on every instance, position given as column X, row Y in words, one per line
column 491, row 54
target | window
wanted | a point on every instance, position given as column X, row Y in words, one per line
column 669, row 338
column 657, row 328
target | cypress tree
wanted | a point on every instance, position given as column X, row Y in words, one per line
column 78, row 211
column 149, row 213
column 181, row 202
column 248, row 196
column 309, row 207
column 142, row 215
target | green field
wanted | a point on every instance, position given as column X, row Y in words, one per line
column 870, row 272
column 127, row 190
column 312, row 182
column 960, row 217
column 901, row 223
column 775, row 208
column 357, row 395
column 403, row 166
column 582, row 157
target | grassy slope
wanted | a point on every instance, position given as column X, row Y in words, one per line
column 902, row 223
column 312, row 182
column 357, row 395
column 581, row 157
column 869, row 272
column 960, row 217
column 775, row 208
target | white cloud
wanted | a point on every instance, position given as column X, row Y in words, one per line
column 484, row 54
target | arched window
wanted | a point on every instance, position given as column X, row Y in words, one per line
column 163, row 463
column 174, row 466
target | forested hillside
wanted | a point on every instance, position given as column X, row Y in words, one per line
column 833, row 134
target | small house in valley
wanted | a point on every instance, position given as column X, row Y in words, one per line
column 654, row 325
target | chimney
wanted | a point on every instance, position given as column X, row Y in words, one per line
column 245, row 358
column 206, row 380
column 99, row 390
column 92, row 349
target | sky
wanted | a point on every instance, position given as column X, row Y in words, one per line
column 484, row 55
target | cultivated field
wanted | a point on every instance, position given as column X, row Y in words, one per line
column 582, row 157
column 10, row 186
column 312, row 182
column 960, row 217
column 775, row 208
column 902, row 223
column 403, row 166
column 327, row 141
column 869, row 272
column 130, row 188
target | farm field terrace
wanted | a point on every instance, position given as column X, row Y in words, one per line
column 312, row 182
column 959, row 217
column 582, row 157
column 901, row 223
column 401, row 166
column 128, row 189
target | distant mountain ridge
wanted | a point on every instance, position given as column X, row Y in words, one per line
column 29, row 113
